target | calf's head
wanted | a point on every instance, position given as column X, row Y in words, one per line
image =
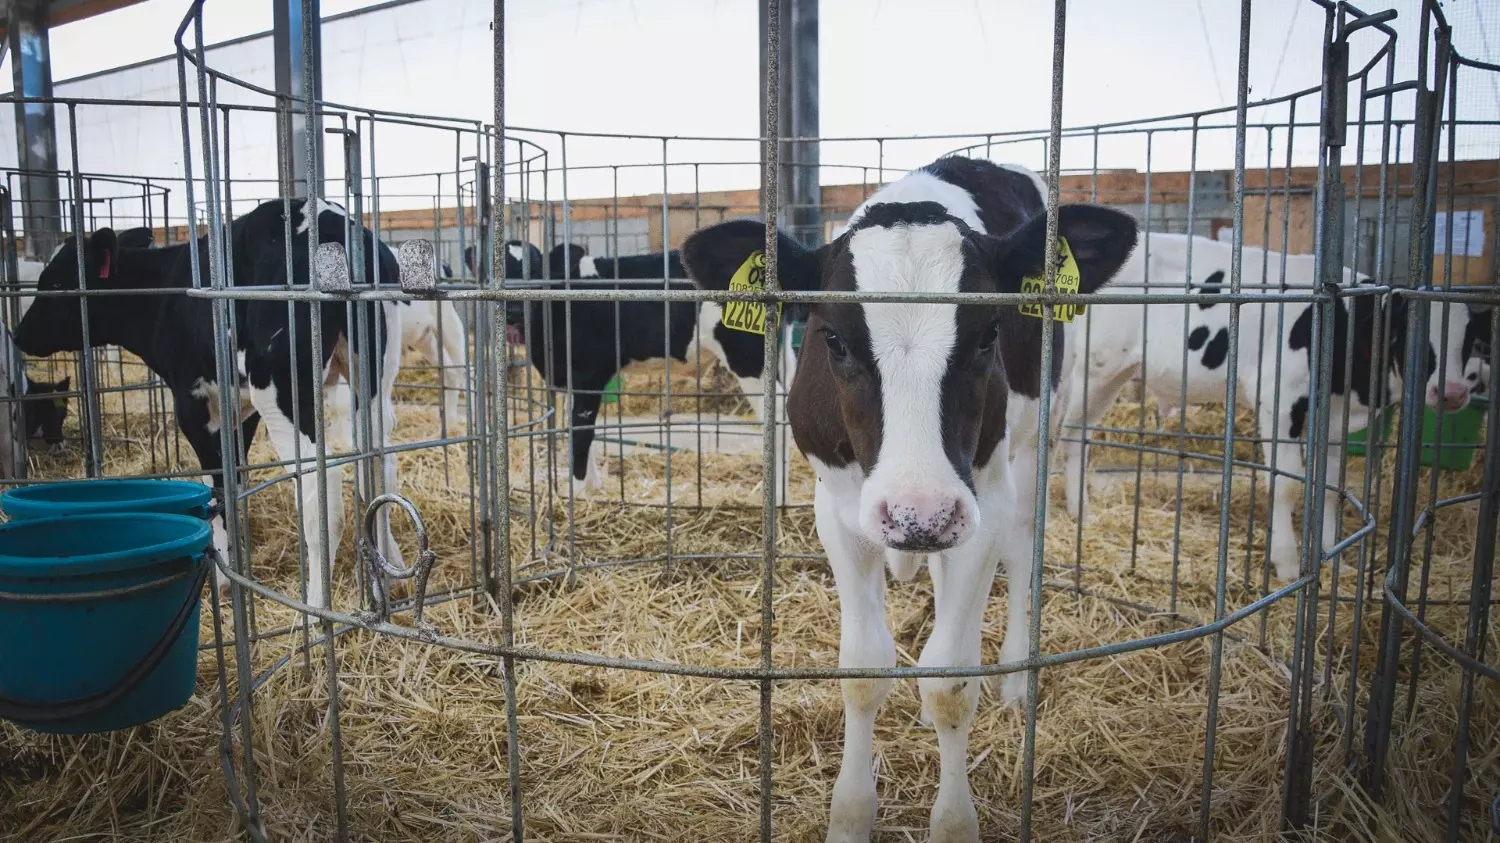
column 912, row 394
column 45, row 410
column 50, row 324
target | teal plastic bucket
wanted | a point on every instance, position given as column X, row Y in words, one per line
column 79, row 497
column 99, row 618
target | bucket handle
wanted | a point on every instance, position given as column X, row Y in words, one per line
column 52, row 712
column 379, row 567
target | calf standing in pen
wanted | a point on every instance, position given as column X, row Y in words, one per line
column 1191, row 343
column 902, row 410
column 173, row 335
column 603, row 336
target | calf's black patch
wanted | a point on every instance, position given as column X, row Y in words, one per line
column 1211, row 286
column 1198, row 337
column 1217, row 350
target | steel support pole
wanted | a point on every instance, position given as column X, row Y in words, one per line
column 36, row 127
column 797, row 176
column 290, row 20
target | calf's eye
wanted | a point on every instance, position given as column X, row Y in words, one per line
column 990, row 337
column 835, row 345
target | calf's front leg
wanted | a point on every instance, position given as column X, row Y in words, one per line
column 961, row 581
column 864, row 641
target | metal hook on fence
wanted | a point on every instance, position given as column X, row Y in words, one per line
column 418, row 262
column 331, row 269
column 379, row 567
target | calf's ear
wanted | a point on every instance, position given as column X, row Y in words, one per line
column 1100, row 238
column 100, row 252
column 712, row 255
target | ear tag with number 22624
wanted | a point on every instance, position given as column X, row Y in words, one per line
column 1067, row 282
column 748, row 316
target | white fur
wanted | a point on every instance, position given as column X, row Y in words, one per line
column 421, row 323
column 319, row 206
column 587, row 268
column 911, row 345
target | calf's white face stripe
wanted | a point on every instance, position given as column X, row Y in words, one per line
column 911, row 345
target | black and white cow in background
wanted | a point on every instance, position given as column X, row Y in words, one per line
column 911, row 415
column 173, row 335
column 1152, row 342
column 599, row 349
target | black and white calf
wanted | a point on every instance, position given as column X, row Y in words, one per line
column 174, row 335
column 905, row 412
column 605, row 336
column 1273, row 371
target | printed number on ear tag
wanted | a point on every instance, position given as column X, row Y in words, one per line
column 1067, row 282
column 748, row 316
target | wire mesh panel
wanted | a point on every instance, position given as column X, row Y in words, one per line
column 592, row 589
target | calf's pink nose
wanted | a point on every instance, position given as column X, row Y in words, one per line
column 921, row 522
column 1455, row 396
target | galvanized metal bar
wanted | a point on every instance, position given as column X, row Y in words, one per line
column 1226, row 484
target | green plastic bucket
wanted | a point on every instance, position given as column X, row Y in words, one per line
column 1461, row 430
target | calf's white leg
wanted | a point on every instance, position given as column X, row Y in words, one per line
column 287, row 439
column 1016, row 523
column 961, row 581
column 864, row 641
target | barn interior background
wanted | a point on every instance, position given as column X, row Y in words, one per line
column 657, row 658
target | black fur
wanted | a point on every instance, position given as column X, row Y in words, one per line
column 1217, row 351
column 43, row 411
column 1212, row 285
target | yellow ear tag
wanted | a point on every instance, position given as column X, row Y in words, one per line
column 748, row 316
column 1067, row 282
column 60, row 403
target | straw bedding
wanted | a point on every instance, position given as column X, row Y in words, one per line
column 609, row 754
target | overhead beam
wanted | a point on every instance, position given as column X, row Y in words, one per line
column 69, row 11
column 36, row 127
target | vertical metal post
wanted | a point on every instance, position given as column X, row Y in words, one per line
column 36, row 126
column 1380, row 709
column 292, row 20
column 797, row 103
column 770, row 193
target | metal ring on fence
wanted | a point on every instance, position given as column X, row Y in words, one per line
column 379, row 566
column 52, row 712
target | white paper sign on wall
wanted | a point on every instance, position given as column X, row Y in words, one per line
column 1468, row 233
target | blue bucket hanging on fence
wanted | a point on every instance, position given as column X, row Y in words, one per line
column 99, row 609
column 79, row 497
